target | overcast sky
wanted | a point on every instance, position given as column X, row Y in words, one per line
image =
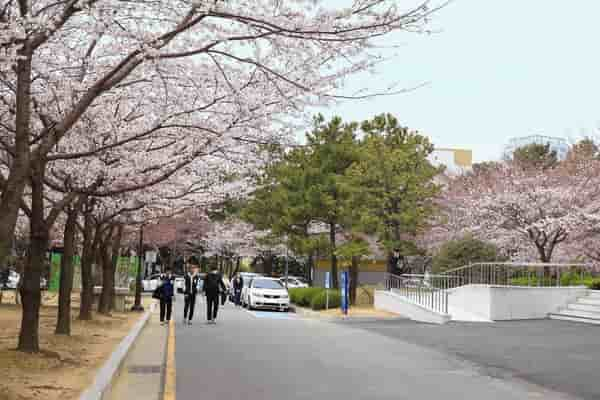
column 496, row 69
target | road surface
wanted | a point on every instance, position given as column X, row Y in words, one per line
column 263, row 356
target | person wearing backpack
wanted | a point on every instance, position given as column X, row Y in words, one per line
column 212, row 285
column 166, row 292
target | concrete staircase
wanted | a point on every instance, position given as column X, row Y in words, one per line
column 584, row 309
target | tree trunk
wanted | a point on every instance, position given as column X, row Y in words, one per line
column 334, row 265
column 268, row 264
column 87, row 259
column 30, row 289
column 12, row 192
column 63, row 323
column 354, row 267
column 310, row 268
column 108, row 277
column 115, row 251
column 237, row 265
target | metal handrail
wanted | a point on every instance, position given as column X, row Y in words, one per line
column 420, row 289
column 520, row 274
column 515, row 264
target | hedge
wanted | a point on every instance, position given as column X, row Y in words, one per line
column 303, row 296
column 320, row 300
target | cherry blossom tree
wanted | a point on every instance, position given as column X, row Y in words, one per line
column 529, row 213
column 61, row 60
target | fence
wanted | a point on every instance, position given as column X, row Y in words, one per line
column 428, row 291
column 520, row 274
column 431, row 291
column 126, row 270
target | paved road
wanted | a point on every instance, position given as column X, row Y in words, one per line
column 266, row 356
column 559, row 355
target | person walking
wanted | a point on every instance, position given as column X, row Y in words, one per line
column 238, row 284
column 212, row 285
column 191, row 290
column 166, row 291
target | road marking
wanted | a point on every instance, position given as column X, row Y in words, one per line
column 169, row 393
column 272, row 315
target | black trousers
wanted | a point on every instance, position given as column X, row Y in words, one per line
column 188, row 307
column 212, row 306
column 166, row 306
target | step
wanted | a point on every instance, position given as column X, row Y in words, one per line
column 595, row 294
column 588, row 300
column 574, row 319
column 595, row 308
column 579, row 314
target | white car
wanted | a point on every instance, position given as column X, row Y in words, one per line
column 294, row 282
column 247, row 278
column 265, row 292
column 14, row 278
column 153, row 281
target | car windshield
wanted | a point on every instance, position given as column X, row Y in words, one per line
column 266, row 284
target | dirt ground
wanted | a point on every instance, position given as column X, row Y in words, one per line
column 360, row 311
column 66, row 365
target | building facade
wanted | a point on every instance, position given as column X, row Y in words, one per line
column 559, row 145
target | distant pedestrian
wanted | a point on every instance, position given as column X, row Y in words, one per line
column 238, row 284
column 212, row 285
column 192, row 282
column 166, row 292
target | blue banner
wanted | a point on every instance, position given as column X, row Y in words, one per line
column 345, row 291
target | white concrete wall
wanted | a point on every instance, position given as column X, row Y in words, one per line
column 391, row 302
column 497, row 303
column 512, row 302
column 470, row 303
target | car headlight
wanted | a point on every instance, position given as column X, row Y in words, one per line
column 257, row 295
column 285, row 296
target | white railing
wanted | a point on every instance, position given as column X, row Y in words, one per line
column 520, row 274
column 431, row 290
column 426, row 290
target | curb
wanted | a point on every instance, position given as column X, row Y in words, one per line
column 106, row 376
column 308, row 313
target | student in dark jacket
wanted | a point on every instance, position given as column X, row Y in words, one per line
column 212, row 285
column 167, row 291
column 191, row 290
column 238, row 284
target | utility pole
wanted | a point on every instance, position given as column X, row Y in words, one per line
column 137, row 306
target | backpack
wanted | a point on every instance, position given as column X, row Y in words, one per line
column 211, row 284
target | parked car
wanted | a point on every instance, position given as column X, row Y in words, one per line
column 14, row 277
column 267, row 293
column 247, row 277
column 416, row 283
column 294, row 282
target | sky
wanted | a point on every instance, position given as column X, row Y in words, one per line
column 495, row 69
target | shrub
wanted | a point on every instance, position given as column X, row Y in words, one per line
column 303, row 296
column 461, row 252
column 594, row 284
column 320, row 300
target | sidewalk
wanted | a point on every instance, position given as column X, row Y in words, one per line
column 142, row 373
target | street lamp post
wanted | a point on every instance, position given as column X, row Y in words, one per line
column 137, row 306
column 286, row 266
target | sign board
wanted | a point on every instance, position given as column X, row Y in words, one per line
column 327, row 280
column 344, row 288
